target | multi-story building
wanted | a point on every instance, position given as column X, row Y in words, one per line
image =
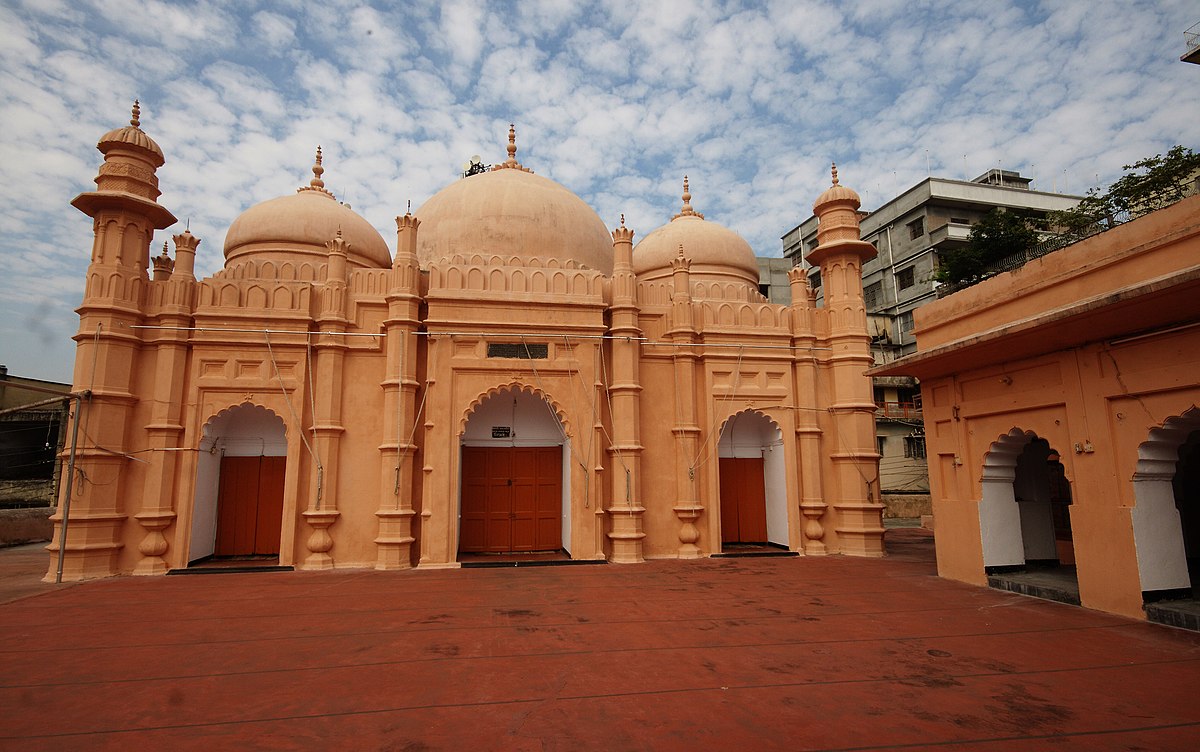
column 909, row 232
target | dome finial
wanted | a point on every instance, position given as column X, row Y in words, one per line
column 834, row 171
column 511, row 162
column 622, row 219
column 317, row 184
column 136, row 119
column 687, row 210
column 318, row 170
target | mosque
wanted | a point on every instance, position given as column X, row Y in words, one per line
column 515, row 378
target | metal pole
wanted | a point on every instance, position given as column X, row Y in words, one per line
column 66, row 503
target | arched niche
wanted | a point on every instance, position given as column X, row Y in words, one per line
column 245, row 430
column 753, row 480
column 515, row 475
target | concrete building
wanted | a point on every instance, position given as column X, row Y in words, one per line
column 515, row 379
column 1062, row 405
column 908, row 232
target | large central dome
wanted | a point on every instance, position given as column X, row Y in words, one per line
column 509, row 211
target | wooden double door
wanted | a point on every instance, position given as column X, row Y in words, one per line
column 511, row 499
column 250, row 506
column 743, row 500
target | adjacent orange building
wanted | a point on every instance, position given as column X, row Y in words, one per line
column 1061, row 411
column 513, row 378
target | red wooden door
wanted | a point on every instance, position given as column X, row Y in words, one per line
column 743, row 500
column 511, row 499
column 250, row 506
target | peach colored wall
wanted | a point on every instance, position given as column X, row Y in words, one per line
column 1092, row 267
column 1095, row 401
column 352, row 381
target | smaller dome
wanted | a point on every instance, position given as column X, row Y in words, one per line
column 132, row 135
column 716, row 252
column 301, row 224
column 836, row 192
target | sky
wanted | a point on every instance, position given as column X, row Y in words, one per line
column 617, row 100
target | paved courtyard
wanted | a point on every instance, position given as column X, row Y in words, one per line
column 720, row 654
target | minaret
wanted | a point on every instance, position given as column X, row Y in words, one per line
column 125, row 213
column 394, row 544
column 853, row 484
column 625, row 506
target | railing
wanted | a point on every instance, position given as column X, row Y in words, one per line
column 905, row 410
column 1047, row 246
column 1191, row 38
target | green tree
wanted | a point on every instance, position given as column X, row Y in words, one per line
column 1149, row 184
column 997, row 235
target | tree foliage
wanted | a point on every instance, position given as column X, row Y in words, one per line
column 997, row 235
column 1149, row 184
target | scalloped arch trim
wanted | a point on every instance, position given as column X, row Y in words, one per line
column 749, row 411
column 510, row 388
column 228, row 411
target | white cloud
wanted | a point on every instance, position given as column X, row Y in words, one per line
column 616, row 100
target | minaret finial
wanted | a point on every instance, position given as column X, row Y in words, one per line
column 622, row 219
column 834, row 171
column 136, row 120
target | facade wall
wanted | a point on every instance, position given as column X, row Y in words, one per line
column 1094, row 349
column 369, row 382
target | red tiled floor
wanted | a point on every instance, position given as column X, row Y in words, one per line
column 754, row 653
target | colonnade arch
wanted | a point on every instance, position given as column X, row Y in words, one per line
column 1023, row 510
column 1166, row 512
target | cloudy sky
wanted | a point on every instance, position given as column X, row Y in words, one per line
column 616, row 99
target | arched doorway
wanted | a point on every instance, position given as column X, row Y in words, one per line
column 238, row 507
column 1166, row 512
column 753, row 491
column 1024, row 518
column 514, row 482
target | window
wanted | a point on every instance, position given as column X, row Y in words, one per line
column 906, row 321
column 959, row 221
column 516, row 350
column 871, row 295
column 914, row 447
column 906, row 278
column 880, row 443
column 814, row 280
column 916, row 228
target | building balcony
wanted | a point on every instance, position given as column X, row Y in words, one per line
column 1191, row 40
column 950, row 233
column 898, row 411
